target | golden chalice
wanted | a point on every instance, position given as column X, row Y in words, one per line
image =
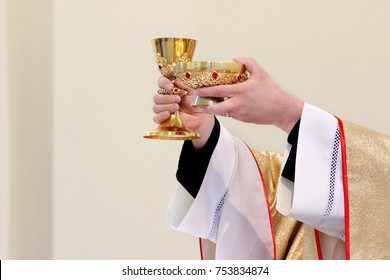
column 196, row 74
column 168, row 52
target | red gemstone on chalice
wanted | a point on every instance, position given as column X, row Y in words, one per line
column 239, row 78
column 188, row 75
column 215, row 75
column 175, row 90
column 159, row 66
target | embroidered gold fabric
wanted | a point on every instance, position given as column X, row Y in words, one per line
column 368, row 165
column 309, row 244
column 288, row 232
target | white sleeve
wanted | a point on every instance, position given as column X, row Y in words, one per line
column 316, row 197
column 196, row 216
column 231, row 208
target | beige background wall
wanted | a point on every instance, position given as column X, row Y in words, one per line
column 78, row 181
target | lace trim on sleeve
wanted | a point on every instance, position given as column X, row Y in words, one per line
column 332, row 179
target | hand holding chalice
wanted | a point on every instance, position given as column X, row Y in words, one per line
column 168, row 52
column 174, row 59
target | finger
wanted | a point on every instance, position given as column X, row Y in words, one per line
column 220, row 109
column 164, row 83
column 182, row 86
column 166, row 99
column 218, row 91
column 161, row 117
column 158, row 108
column 250, row 64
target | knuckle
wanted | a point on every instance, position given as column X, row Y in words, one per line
column 156, row 98
column 218, row 91
column 155, row 109
column 164, row 83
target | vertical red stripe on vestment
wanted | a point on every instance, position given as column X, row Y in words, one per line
column 318, row 244
column 345, row 188
column 201, row 248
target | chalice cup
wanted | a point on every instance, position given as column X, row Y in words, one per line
column 197, row 74
column 168, row 52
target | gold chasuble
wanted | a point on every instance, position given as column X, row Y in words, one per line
column 293, row 239
column 288, row 232
column 366, row 183
column 368, row 179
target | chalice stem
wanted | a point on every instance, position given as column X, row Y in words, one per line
column 175, row 120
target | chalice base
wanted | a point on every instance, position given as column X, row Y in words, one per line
column 167, row 131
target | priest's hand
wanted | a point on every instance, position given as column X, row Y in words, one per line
column 191, row 117
column 258, row 100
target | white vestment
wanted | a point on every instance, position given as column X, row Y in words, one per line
column 232, row 208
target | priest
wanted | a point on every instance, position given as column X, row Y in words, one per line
column 327, row 197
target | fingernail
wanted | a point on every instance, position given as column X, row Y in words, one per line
column 177, row 98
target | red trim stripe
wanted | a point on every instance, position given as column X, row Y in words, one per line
column 318, row 244
column 201, row 249
column 267, row 201
column 345, row 187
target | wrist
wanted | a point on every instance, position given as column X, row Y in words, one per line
column 205, row 129
column 290, row 111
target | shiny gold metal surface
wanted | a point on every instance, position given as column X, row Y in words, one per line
column 174, row 91
column 198, row 74
column 168, row 51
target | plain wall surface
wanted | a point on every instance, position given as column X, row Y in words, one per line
column 80, row 180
